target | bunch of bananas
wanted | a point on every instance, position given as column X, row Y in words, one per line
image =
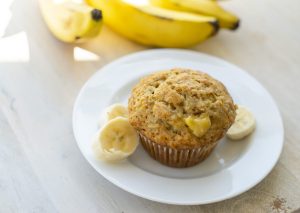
column 166, row 23
column 162, row 23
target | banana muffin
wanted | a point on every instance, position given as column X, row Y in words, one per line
column 180, row 115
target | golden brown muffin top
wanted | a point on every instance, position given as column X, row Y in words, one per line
column 160, row 102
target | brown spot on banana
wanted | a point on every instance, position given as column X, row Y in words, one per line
column 236, row 25
column 96, row 14
column 216, row 27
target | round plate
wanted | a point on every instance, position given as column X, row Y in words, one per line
column 231, row 169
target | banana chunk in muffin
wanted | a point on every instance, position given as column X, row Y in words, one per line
column 198, row 125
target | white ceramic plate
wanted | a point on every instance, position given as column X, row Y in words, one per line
column 231, row 169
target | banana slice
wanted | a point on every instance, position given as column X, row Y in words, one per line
column 116, row 140
column 111, row 112
column 243, row 125
column 116, row 110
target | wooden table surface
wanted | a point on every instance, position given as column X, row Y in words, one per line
column 41, row 167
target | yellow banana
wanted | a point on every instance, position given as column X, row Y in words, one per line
column 205, row 7
column 156, row 26
column 71, row 22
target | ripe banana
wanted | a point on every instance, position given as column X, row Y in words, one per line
column 243, row 125
column 205, row 7
column 71, row 22
column 116, row 140
column 156, row 26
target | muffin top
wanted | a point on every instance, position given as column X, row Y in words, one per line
column 181, row 108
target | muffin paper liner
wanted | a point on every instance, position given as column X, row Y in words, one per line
column 179, row 158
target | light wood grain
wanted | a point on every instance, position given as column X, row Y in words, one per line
column 41, row 167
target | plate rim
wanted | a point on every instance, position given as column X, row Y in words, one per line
column 125, row 59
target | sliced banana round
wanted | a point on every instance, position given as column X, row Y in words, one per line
column 243, row 125
column 112, row 112
column 116, row 140
column 116, row 110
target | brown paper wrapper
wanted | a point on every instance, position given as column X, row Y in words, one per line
column 179, row 158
